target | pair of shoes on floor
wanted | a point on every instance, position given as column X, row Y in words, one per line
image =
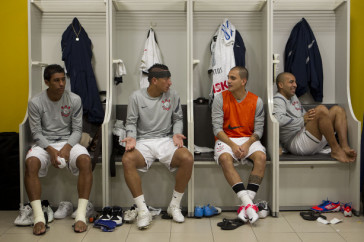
column 230, row 224
column 327, row 206
column 65, row 209
column 25, row 217
column 90, row 211
column 114, row 213
column 248, row 213
column 206, row 211
column 131, row 214
column 263, row 209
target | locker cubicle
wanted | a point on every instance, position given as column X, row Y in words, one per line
column 47, row 20
column 302, row 184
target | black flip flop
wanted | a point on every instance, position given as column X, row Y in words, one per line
column 311, row 215
column 230, row 224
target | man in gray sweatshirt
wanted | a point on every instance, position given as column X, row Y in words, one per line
column 306, row 133
column 154, row 131
column 55, row 119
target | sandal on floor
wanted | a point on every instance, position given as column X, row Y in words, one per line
column 230, row 224
column 311, row 215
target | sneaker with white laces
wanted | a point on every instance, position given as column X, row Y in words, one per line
column 131, row 214
column 47, row 209
column 242, row 215
column 144, row 219
column 90, row 211
column 175, row 213
column 251, row 212
column 64, row 209
column 25, row 217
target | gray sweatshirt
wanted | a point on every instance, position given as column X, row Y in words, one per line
column 154, row 117
column 52, row 122
column 217, row 115
column 289, row 114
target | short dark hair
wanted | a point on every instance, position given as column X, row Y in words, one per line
column 280, row 78
column 50, row 70
column 156, row 68
column 243, row 72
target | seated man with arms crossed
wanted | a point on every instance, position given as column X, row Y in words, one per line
column 238, row 119
column 55, row 118
column 154, row 126
column 306, row 133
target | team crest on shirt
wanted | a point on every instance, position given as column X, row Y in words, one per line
column 166, row 104
column 66, row 110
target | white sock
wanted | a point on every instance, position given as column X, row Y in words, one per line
column 251, row 194
column 140, row 202
column 176, row 198
column 37, row 211
column 81, row 210
column 244, row 197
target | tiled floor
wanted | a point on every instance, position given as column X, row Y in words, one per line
column 288, row 227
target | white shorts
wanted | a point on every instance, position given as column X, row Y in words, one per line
column 221, row 147
column 160, row 148
column 304, row 143
column 45, row 162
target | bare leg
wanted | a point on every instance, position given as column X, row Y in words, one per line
column 183, row 160
column 338, row 118
column 227, row 164
column 133, row 160
column 84, row 185
column 259, row 159
column 322, row 125
column 33, row 187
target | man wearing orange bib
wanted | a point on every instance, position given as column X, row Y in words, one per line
column 238, row 120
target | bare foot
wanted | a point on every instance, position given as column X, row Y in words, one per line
column 350, row 152
column 39, row 228
column 341, row 156
column 80, row 227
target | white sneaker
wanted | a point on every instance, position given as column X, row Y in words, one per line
column 251, row 212
column 131, row 214
column 175, row 213
column 64, row 209
column 25, row 217
column 90, row 211
column 47, row 209
column 144, row 219
column 263, row 209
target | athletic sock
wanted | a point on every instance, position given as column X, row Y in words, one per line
column 37, row 211
column 81, row 210
column 176, row 198
column 140, row 202
column 252, row 190
column 244, row 197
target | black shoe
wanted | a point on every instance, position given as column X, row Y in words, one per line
column 117, row 215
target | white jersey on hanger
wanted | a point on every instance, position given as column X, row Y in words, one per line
column 151, row 56
column 222, row 56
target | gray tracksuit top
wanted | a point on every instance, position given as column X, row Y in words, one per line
column 289, row 114
column 52, row 122
column 154, row 117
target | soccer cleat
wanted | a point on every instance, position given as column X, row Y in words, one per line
column 117, row 215
column 131, row 214
column 327, row 206
column 144, row 219
column 25, row 217
column 90, row 211
column 241, row 214
column 64, row 209
column 347, row 210
column 199, row 212
column 47, row 209
column 263, row 209
column 210, row 210
column 106, row 213
column 175, row 213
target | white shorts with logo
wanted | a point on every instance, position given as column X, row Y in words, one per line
column 304, row 143
column 45, row 162
column 160, row 148
column 221, row 147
